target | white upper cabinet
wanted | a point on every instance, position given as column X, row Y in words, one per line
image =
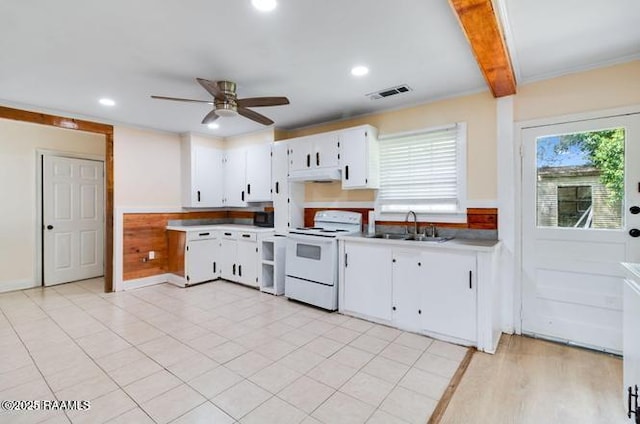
column 234, row 178
column 202, row 174
column 280, row 186
column 314, row 152
column 359, row 158
column 259, row 173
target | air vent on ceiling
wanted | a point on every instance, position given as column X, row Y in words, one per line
column 387, row 92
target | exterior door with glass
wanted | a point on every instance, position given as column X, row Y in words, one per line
column 580, row 180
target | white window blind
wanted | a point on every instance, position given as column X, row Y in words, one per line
column 422, row 171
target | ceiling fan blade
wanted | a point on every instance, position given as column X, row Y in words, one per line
column 176, row 99
column 211, row 116
column 212, row 88
column 255, row 116
column 262, row 101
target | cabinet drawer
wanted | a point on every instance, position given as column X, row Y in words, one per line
column 229, row 235
column 247, row 236
column 202, row 235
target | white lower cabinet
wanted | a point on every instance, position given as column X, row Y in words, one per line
column 367, row 281
column 247, row 259
column 433, row 291
column 407, row 287
column 630, row 339
column 201, row 260
column 448, row 289
column 228, row 255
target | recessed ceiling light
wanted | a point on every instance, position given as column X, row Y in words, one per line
column 358, row 71
column 107, row 102
column 213, row 125
column 264, row 5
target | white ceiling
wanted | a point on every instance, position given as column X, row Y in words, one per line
column 63, row 56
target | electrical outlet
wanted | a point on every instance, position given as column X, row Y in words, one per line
column 152, row 255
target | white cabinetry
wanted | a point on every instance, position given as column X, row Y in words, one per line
column 406, row 289
column 280, row 186
column 202, row 174
column 359, row 158
column 630, row 339
column 201, row 260
column 228, row 255
column 247, row 259
column 314, row 152
column 193, row 256
column 367, row 280
column 235, row 177
column 448, row 289
column 272, row 257
column 258, row 173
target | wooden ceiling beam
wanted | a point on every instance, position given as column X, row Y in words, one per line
column 482, row 29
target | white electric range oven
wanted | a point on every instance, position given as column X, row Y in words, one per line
column 312, row 258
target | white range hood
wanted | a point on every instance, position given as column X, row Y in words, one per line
column 316, row 175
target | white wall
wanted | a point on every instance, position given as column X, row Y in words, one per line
column 18, row 212
column 146, row 168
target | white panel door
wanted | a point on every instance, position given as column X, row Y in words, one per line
column 259, row 173
column 73, row 223
column 201, row 260
column 208, row 175
column 235, row 178
column 580, row 180
column 406, row 291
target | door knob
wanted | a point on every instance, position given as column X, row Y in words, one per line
column 634, row 210
column 49, row 227
column 634, row 232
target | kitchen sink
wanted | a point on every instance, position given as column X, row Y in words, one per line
column 412, row 237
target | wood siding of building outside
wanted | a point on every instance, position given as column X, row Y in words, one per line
column 477, row 219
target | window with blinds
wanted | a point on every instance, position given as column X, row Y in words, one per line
column 423, row 172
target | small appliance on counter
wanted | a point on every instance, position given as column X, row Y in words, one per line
column 263, row 219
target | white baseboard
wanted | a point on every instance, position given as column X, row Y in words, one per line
column 144, row 282
column 8, row 286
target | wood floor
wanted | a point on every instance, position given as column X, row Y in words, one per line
column 531, row 381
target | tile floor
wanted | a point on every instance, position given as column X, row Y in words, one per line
column 214, row 353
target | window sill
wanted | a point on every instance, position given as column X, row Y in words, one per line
column 447, row 217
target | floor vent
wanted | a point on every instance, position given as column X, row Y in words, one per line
column 387, row 92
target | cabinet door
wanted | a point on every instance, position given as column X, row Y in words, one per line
column 354, row 158
column 201, row 260
column 258, row 173
column 300, row 154
column 449, row 294
column 326, row 151
column 247, row 262
column 235, row 166
column 207, row 176
column 367, row 280
column 406, row 290
column 228, row 256
column 280, row 186
column 630, row 339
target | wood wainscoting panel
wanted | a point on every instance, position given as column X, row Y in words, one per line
column 145, row 232
column 477, row 219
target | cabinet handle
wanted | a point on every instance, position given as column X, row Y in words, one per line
column 243, row 195
column 346, row 172
column 246, row 235
column 393, row 260
column 419, row 263
column 308, row 160
column 346, row 262
column 203, row 234
column 318, row 158
column 227, row 234
column 470, row 279
column 419, row 311
column 234, row 269
column 248, row 188
column 198, row 195
column 277, row 187
column 240, row 270
column 393, row 308
column 214, row 267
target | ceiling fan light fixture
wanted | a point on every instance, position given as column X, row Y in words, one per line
column 264, row 5
column 213, row 126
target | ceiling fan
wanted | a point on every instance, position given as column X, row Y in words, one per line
column 226, row 102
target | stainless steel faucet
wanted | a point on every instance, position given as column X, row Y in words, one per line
column 415, row 223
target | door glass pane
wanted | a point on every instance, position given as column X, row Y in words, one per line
column 580, row 179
